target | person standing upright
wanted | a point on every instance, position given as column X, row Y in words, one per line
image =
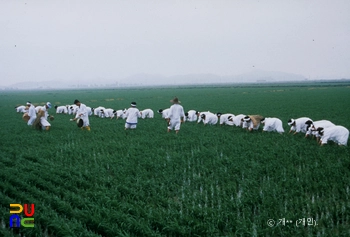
column 175, row 116
column 131, row 115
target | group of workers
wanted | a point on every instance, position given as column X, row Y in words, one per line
column 323, row 130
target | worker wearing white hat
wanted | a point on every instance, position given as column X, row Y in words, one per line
column 43, row 120
column 31, row 113
column 191, row 116
column 337, row 134
column 72, row 109
column 298, row 125
column 272, row 125
column 199, row 115
column 224, row 119
column 312, row 127
column 164, row 112
column 237, row 120
column 251, row 122
column 209, row 118
column 132, row 115
column 120, row 114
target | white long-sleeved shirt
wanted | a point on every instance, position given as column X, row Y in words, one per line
column 224, row 119
column 72, row 109
column 21, row 109
column 338, row 134
column 89, row 110
column 147, row 113
column 120, row 114
column 321, row 123
column 43, row 120
column 97, row 110
column 273, row 124
column 200, row 114
column 250, row 124
column 176, row 111
column 300, row 125
column 165, row 113
column 38, row 108
column 210, row 118
column 237, row 120
column 32, row 111
column 61, row 109
column 46, row 112
column 192, row 116
column 132, row 114
column 81, row 111
column 108, row 113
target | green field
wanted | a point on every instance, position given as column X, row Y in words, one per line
column 205, row 181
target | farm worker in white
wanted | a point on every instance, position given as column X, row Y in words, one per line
column 191, row 116
column 61, row 109
column 147, row 113
column 21, row 109
column 209, row 118
column 175, row 116
column 224, row 118
column 298, row 125
column 338, row 134
column 97, row 110
column 31, row 113
column 89, row 110
column 199, row 114
column 109, row 113
column 72, row 109
column 164, row 112
column 252, row 122
column 101, row 113
column 120, row 113
column 272, row 125
column 237, row 120
column 82, row 113
column 38, row 108
column 45, row 125
column 131, row 115
column 312, row 127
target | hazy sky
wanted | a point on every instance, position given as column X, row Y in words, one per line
column 113, row 39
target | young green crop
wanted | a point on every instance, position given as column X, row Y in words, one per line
column 205, row 181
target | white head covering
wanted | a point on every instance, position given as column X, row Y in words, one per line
column 48, row 105
column 291, row 122
column 246, row 119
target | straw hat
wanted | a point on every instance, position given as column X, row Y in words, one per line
column 175, row 101
column 291, row 121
